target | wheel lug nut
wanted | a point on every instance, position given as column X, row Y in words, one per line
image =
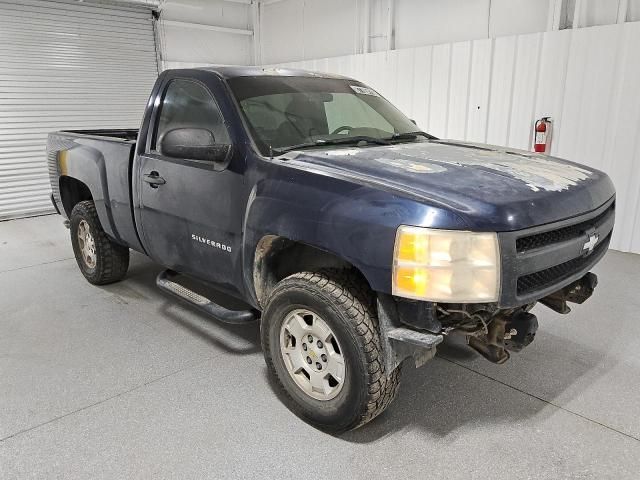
column 319, row 344
column 304, row 347
column 318, row 366
column 323, row 357
column 309, row 360
column 310, row 338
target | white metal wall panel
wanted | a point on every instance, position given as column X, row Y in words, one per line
column 585, row 79
column 459, row 89
column 404, row 97
column 439, row 94
column 480, row 79
column 419, row 101
column 504, row 57
column 622, row 152
column 65, row 65
column 593, row 52
column 550, row 95
column 524, row 90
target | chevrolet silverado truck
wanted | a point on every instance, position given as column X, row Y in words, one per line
column 358, row 241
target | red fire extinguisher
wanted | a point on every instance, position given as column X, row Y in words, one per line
column 543, row 135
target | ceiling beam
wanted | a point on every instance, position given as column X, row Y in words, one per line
column 213, row 28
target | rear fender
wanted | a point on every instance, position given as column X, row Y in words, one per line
column 86, row 164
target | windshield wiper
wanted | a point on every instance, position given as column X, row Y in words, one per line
column 334, row 141
column 410, row 136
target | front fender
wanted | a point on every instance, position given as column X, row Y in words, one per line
column 354, row 222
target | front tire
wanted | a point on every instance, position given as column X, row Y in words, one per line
column 100, row 260
column 330, row 313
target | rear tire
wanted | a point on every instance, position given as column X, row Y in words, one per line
column 336, row 301
column 100, row 260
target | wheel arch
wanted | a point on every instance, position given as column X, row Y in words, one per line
column 277, row 257
column 73, row 191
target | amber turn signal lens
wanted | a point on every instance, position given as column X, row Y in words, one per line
column 412, row 279
column 413, row 247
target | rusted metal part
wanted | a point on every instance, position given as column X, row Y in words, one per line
column 507, row 331
column 260, row 282
column 491, row 344
column 576, row 292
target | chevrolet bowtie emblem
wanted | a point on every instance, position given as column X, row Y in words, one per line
column 591, row 243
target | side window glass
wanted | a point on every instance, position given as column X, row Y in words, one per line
column 188, row 104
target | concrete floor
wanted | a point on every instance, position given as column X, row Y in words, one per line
column 122, row 382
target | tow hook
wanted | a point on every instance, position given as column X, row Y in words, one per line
column 576, row 292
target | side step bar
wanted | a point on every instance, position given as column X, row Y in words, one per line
column 165, row 282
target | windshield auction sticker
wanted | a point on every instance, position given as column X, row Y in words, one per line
column 364, row 90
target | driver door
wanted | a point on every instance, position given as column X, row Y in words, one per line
column 187, row 211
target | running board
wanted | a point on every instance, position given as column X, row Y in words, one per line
column 165, row 282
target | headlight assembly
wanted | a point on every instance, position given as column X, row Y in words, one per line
column 446, row 265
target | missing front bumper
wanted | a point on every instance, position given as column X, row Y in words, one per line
column 516, row 330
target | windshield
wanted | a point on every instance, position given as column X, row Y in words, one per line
column 284, row 112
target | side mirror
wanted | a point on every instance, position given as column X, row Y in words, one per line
column 194, row 144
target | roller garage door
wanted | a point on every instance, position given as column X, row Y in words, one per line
column 65, row 65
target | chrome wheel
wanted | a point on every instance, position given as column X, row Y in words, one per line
column 87, row 244
column 312, row 354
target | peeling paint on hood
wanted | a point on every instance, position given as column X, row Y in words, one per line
column 343, row 152
column 409, row 166
column 491, row 187
column 536, row 171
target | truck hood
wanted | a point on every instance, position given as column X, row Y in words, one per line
column 491, row 188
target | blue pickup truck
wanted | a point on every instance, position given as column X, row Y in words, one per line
column 358, row 241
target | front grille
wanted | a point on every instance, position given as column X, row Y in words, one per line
column 558, row 273
column 569, row 232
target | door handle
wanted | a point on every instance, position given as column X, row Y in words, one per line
column 154, row 179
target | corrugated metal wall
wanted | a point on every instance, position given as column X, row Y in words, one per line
column 492, row 91
column 65, row 65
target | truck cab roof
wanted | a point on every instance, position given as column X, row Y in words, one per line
column 253, row 71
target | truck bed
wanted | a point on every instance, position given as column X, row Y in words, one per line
column 101, row 160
